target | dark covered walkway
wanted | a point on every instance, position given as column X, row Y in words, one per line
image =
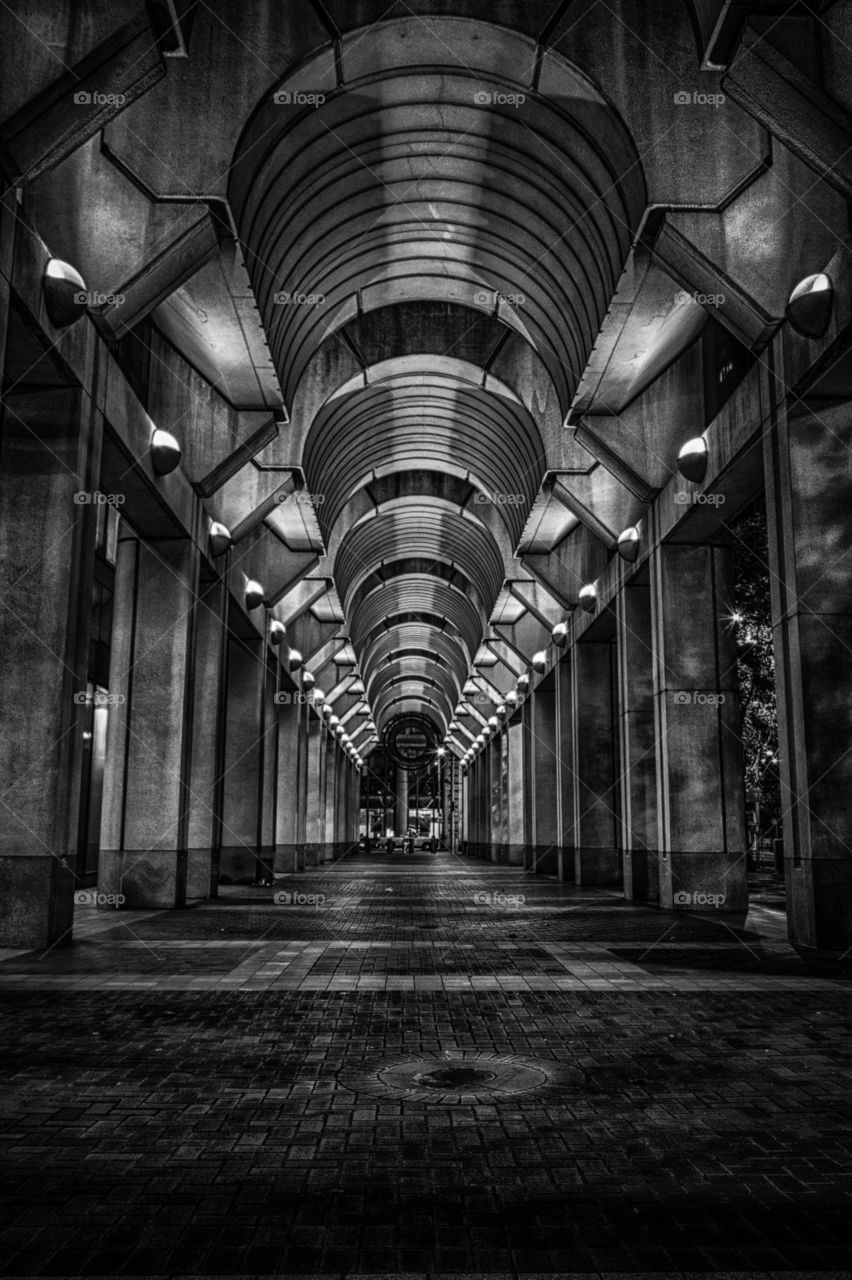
column 421, row 1065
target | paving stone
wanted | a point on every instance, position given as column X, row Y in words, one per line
column 697, row 1116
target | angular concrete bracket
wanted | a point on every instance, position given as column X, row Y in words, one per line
column 327, row 654
column 243, row 453
column 260, row 512
column 648, row 324
column 815, row 127
column 159, row 277
column 584, row 514
column 540, row 602
column 321, row 632
column 588, row 431
column 79, row 104
column 698, row 274
column 492, row 642
column 298, row 593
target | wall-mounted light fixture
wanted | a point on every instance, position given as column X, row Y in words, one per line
column 64, row 293
column 219, row 539
column 810, row 305
column 628, row 544
column 165, row 452
column 539, row 662
column 692, row 460
column 277, row 632
column 294, row 660
column 588, row 597
column 254, row 595
column 308, row 680
column 559, row 635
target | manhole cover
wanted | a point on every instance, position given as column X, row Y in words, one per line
column 462, row 1076
column 454, row 1077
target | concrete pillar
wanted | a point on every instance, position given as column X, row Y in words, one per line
column 497, row 839
column 49, row 454
column 564, row 733
column 401, row 802
column 480, row 835
column 597, row 858
column 287, row 798
column 144, row 831
column 809, row 501
column 207, row 757
column 332, row 770
column 268, row 777
column 701, row 805
column 314, row 783
column 303, row 715
column 637, row 737
column 517, row 781
column 245, row 722
column 544, row 778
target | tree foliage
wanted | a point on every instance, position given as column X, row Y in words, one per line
column 752, row 621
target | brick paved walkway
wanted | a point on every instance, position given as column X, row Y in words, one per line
column 198, row 1092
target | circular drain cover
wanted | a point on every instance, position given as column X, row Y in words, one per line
column 454, row 1077
column 462, row 1076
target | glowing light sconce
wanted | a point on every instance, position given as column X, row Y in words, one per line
column 493, row 723
column 501, row 710
column 277, row 632
column 588, row 597
column 810, row 305
column 559, row 635
column 62, row 289
column 325, row 708
column 442, row 751
column 524, row 682
column 628, row 545
column 294, row 661
column 219, row 539
column 692, row 460
column 512, row 699
column 333, row 721
column 308, row 680
column 165, row 452
column 539, row 661
column 319, row 697
column 254, row 594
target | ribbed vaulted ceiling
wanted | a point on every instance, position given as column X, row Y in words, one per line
column 422, row 187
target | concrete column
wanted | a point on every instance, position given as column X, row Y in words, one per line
column 564, row 734
column 637, row 737
column 597, row 858
column 497, row 840
column 268, row 778
column 483, row 803
column 300, row 797
column 809, row 499
column 207, row 757
column 50, row 450
column 544, row 778
column 287, row 788
column 245, row 722
column 314, row 783
column 517, row 780
column 701, row 806
column 332, row 770
column 144, row 831
column 401, row 802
